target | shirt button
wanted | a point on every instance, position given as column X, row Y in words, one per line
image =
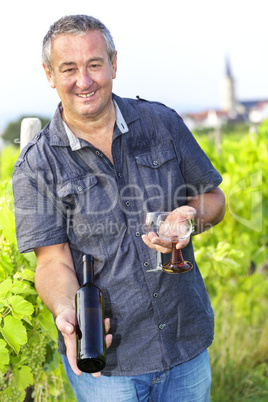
column 119, row 175
column 127, row 203
column 161, row 326
column 36, row 137
column 97, row 153
column 155, row 163
column 137, row 234
column 80, row 188
column 146, row 264
column 155, row 295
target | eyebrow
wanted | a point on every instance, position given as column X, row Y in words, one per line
column 66, row 64
column 71, row 63
column 96, row 59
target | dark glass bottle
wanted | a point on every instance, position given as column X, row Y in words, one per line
column 90, row 332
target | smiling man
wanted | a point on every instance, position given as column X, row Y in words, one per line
column 84, row 84
column 82, row 71
column 82, row 186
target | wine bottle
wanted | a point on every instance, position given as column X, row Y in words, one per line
column 90, row 332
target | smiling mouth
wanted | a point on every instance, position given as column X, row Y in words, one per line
column 88, row 95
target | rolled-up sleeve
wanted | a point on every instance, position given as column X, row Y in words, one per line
column 39, row 217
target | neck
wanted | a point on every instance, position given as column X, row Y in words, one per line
column 98, row 132
column 88, row 128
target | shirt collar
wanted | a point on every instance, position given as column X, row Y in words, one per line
column 120, row 121
column 74, row 141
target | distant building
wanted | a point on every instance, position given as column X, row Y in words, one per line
column 232, row 109
column 229, row 102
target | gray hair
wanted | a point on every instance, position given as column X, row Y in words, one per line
column 75, row 25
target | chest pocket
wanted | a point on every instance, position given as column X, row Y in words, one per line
column 88, row 197
column 79, row 185
column 156, row 157
column 159, row 171
column 89, row 202
column 93, row 197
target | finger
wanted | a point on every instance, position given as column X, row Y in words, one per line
column 64, row 326
column 70, row 342
column 108, row 340
column 73, row 364
column 154, row 243
column 68, row 329
column 146, row 240
column 161, row 242
column 108, row 337
column 66, row 321
column 69, row 333
column 157, row 244
column 183, row 243
column 185, row 209
column 107, row 325
column 152, row 235
column 96, row 375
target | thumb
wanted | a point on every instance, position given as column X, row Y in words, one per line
column 66, row 322
column 69, row 329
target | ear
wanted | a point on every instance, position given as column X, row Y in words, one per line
column 114, row 65
column 50, row 76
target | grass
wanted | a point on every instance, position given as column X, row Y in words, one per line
column 239, row 362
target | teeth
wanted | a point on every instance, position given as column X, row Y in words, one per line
column 86, row 95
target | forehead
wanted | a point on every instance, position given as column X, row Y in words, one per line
column 88, row 44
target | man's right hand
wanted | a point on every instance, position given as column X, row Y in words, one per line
column 66, row 323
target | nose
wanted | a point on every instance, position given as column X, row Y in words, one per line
column 84, row 80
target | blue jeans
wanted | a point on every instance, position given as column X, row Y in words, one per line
column 186, row 382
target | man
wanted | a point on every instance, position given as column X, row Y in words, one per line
column 81, row 187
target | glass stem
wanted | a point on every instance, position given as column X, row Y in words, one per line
column 159, row 259
column 176, row 256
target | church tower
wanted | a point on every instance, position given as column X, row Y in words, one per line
column 228, row 91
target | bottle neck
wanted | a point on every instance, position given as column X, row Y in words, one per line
column 88, row 269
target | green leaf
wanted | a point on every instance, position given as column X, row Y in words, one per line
column 5, row 287
column 20, row 306
column 46, row 320
column 6, row 264
column 26, row 274
column 14, row 333
column 2, row 273
column 4, row 354
column 28, row 319
column 22, row 287
column 8, row 223
column 23, row 377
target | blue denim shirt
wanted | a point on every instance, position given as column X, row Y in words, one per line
column 66, row 190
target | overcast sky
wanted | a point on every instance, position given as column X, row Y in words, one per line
column 171, row 51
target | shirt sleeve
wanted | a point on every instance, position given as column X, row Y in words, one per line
column 199, row 174
column 40, row 220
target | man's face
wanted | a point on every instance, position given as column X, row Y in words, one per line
column 82, row 74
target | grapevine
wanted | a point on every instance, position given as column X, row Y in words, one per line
column 34, row 353
column 232, row 257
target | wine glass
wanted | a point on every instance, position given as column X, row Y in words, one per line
column 150, row 225
column 175, row 228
